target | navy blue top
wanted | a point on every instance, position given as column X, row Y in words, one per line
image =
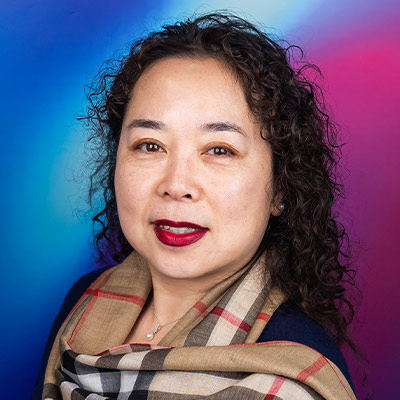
column 287, row 323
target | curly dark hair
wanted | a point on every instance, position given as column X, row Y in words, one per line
column 308, row 248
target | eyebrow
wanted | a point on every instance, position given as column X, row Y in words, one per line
column 146, row 123
column 223, row 126
column 219, row 126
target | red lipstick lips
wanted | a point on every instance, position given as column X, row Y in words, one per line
column 168, row 232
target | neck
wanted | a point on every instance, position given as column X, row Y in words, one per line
column 173, row 298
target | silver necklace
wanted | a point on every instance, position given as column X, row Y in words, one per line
column 150, row 335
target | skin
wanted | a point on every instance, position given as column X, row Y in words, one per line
column 184, row 165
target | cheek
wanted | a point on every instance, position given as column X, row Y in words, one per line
column 243, row 198
column 130, row 187
column 123, row 185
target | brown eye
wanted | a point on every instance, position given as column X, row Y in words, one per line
column 220, row 151
column 149, row 147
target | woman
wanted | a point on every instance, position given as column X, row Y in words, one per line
column 217, row 167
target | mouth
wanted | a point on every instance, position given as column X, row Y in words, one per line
column 178, row 233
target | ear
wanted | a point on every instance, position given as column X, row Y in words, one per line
column 277, row 205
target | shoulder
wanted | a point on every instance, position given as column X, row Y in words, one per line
column 77, row 290
column 290, row 323
column 72, row 297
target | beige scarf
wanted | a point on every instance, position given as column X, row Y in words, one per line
column 209, row 354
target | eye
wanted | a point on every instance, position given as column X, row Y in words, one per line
column 220, row 151
column 149, row 147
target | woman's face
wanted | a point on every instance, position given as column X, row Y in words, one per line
column 193, row 177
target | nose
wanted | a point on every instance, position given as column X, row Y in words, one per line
column 179, row 181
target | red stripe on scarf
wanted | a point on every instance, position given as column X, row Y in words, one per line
column 276, row 385
column 233, row 319
column 201, row 307
column 312, row 369
column 117, row 296
column 83, row 318
column 263, row 316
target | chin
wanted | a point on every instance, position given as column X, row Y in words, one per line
column 179, row 271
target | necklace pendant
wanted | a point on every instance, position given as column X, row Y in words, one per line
column 149, row 335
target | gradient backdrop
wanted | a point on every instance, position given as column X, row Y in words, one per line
column 50, row 49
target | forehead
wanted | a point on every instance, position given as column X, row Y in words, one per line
column 194, row 68
column 204, row 83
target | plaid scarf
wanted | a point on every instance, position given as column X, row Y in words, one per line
column 209, row 354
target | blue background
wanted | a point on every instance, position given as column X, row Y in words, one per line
column 50, row 49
